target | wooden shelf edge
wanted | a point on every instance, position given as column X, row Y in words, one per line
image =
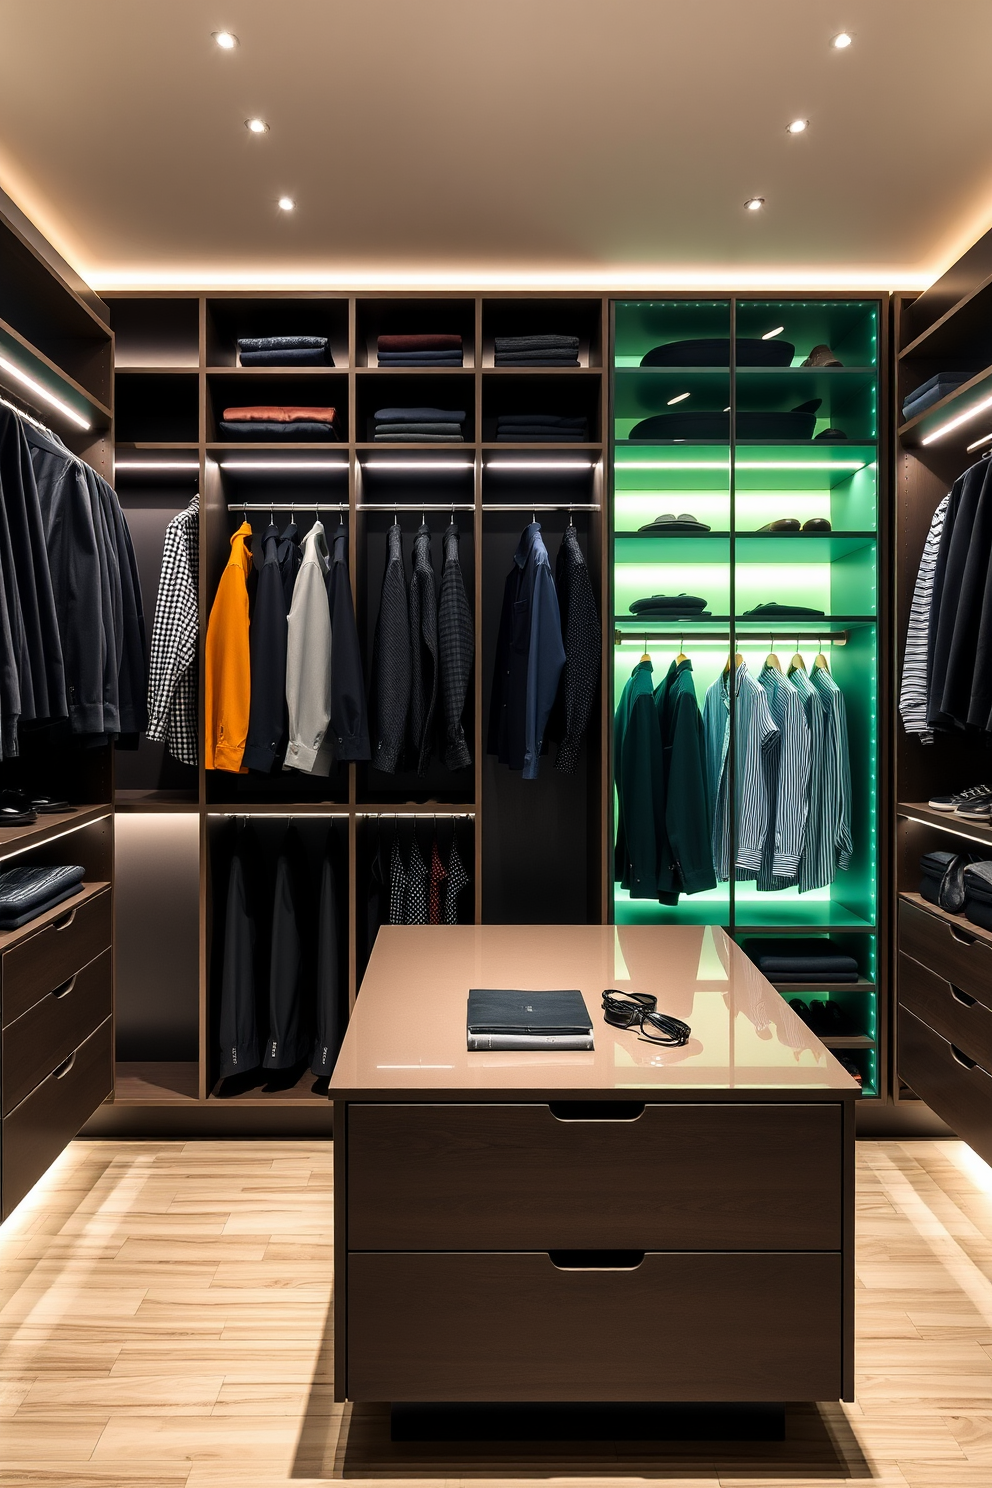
column 944, row 821
column 60, row 372
column 88, row 889
column 19, row 839
column 958, row 922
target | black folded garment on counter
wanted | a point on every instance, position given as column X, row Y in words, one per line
column 712, row 351
column 802, row 960
column 26, row 893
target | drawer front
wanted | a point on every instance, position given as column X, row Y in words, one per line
column 520, row 1177
column 49, row 1031
column 518, row 1327
column 960, row 1094
column 47, row 1120
column 950, row 1011
column 46, row 960
column 952, row 951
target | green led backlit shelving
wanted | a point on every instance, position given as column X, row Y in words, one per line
column 736, row 486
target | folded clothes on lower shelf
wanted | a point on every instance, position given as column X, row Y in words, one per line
column 773, row 611
column 279, row 421
column 931, row 392
column 802, row 960
column 26, row 893
column 284, row 351
column 666, row 605
column 541, row 428
column 418, row 425
column 427, row 350
column 536, row 351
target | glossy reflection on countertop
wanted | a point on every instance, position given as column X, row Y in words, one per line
column 407, row 1031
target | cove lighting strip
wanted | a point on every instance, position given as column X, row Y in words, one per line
column 157, row 465
column 620, row 465
column 955, row 423
column 539, row 464
column 418, row 464
column 986, row 439
column 40, row 391
column 297, row 466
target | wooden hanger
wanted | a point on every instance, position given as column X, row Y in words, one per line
column 646, row 656
column 681, row 656
column 819, row 660
column 738, row 662
column 771, row 660
column 797, row 664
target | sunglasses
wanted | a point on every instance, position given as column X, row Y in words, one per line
column 638, row 1010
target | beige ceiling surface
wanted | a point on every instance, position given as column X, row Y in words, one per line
column 441, row 141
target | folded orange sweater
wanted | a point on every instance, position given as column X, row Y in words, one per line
column 279, row 415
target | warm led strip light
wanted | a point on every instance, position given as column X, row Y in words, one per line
column 41, row 391
column 539, row 464
column 955, row 423
column 741, row 464
column 295, row 465
column 157, row 465
column 986, row 439
column 418, row 464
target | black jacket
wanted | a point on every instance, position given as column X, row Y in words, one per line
column 267, row 717
column 238, row 1030
column 949, row 598
column 331, row 1016
column 391, row 662
column 423, row 651
column 349, row 716
column 456, row 648
column 290, row 1037
column 132, row 665
column 583, row 637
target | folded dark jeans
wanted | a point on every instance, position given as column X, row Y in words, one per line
column 305, row 356
column 536, row 359
column 15, row 921
column 414, row 428
column 505, row 427
column 567, row 421
column 534, row 436
column 919, row 403
column 810, row 967
column 420, row 341
column 281, row 343
column 419, row 438
column 301, row 429
column 417, row 415
column 420, row 359
column 536, row 343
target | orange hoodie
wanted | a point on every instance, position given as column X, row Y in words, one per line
column 228, row 676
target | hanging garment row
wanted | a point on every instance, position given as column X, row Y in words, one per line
column 417, row 882
column 947, row 667
column 284, row 678
column 282, row 996
column 548, row 655
column 791, row 770
column 72, row 630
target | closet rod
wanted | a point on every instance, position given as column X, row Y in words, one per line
column 414, row 506
column 787, row 633
column 417, row 815
column 540, row 506
column 286, row 506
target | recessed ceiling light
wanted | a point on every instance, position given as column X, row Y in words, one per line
column 679, row 398
column 841, row 41
column 776, row 332
column 257, row 126
column 754, row 203
column 798, row 126
column 286, row 204
column 226, row 40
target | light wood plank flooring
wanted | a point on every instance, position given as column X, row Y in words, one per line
column 164, row 1323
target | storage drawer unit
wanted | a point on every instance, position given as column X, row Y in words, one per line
column 952, row 951
column 49, row 1031
column 957, row 1016
column 46, row 960
column 950, row 1082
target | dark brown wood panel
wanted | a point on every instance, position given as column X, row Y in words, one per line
column 518, row 1327
column 517, row 1177
column 960, row 1095
column 40, row 1127
column 69, row 942
column 957, row 952
column 948, row 1010
column 48, row 1032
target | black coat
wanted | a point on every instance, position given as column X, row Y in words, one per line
column 132, row 666
column 391, row 661
column 423, row 651
column 349, row 716
column 291, row 1009
column 456, row 646
column 267, row 716
column 950, row 599
column 583, row 637
column 238, row 1030
column 331, row 1016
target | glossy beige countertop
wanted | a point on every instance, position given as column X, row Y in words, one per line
column 406, row 1037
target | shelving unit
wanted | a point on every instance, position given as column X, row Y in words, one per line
column 737, row 485
column 536, row 849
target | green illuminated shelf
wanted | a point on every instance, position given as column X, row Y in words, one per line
column 751, row 547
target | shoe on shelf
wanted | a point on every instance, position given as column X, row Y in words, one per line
column 979, row 810
column 801, row 1009
column 817, row 524
column 782, row 524
column 961, row 798
column 47, row 805
column 830, row 436
column 15, row 809
column 821, row 356
column 852, row 1068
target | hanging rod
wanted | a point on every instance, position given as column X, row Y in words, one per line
column 542, row 506
column 414, row 506
column 417, row 815
column 286, row 506
column 833, row 638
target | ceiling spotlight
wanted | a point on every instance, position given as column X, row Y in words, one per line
column 286, row 204
column 776, row 332
column 226, row 40
column 679, row 398
column 754, row 203
column 841, row 41
column 257, row 126
column 798, row 126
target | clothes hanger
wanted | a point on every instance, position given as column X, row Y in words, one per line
column 738, row 662
column 797, row 664
column 820, row 660
column 771, row 660
column 681, row 656
column 647, row 654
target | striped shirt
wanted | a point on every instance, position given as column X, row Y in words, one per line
column 915, row 670
column 787, row 783
column 837, row 768
column 755, row 733
column 816, row 866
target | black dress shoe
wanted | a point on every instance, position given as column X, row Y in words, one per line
column 15, row 809
column 817, row 524
column 782, row 524
column 821, row 356
column 46, row 805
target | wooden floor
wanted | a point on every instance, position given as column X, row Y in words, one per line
column 164, row 1314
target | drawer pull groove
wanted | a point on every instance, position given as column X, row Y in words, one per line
column 596, row 1260
column 596, row 1110
column 65, row 988
column 962, row 1058
column 64, row 921
column 962, row 935
column 61, row 1070
column 963, row 998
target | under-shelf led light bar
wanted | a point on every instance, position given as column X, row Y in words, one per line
column 157, row 465
column 40, row 391
column 985, row 439
column 741, row 465
column 539, row 464
column 297, row 466
column 955, row 423
column 374, row 464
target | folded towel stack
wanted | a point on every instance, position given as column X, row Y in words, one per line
column 418, row 426
column 813, row 960
column 935, row 388
column 669, row 606
column 537, row 351
column 541, row 428
column 26, row 893
column 285, row 351
column 266, row 421
column 420, row 351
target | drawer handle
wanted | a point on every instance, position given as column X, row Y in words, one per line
column 962, row 1058
column 64, row 921
column 63, row 1069
column 962, row 997
column 596, row 1110
column 596, row 1260
column 962, row 935
column 66, row 987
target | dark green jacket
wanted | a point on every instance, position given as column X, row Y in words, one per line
column 688, row 866
column 639, row 773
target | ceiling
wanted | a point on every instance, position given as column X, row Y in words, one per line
column 607, row 144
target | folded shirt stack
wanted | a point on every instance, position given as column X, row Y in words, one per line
column 935, row 388
column 812, row 960
column 669, row 606
column 536, row 351
column 773, row 611
column 26, row 893
column 267, row 421
column 542, row 428
column 418, row 426
column 420, row 351
column 285, row 351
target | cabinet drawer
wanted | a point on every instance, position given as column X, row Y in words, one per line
column 960, row 1094
column 952, row 951
column 948, row 1010
column 39, row 1128
column 44, row 961
column 49, row 1031
column 518, row 1327
column 521, row 1177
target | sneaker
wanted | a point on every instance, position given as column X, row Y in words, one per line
column 821, row 356
column 951, row 803
column 979, row 810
